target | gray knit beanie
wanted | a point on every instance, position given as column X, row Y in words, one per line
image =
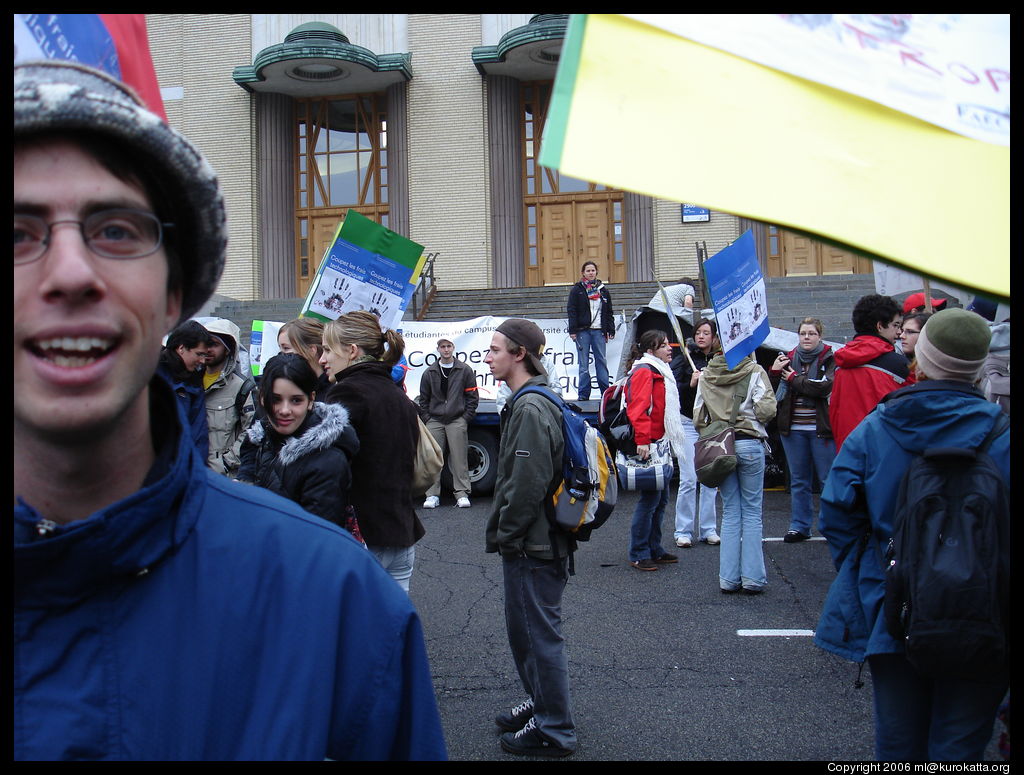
column 58, row 96
column 953, row 345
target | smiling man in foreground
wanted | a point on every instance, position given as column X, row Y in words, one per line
column 162, row 611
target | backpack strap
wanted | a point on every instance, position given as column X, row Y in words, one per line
column 1001, row 424
column 549, row 506
column 650, row 409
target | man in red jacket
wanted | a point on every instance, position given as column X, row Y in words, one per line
column 867, row 367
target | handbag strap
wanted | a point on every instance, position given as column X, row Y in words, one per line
column 741, row 392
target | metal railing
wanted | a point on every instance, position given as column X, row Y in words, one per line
column 425, row 288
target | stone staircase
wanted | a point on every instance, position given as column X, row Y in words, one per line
column 546, row 302
column 790, row 299
column 830, row 298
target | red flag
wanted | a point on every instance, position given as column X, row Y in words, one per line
column 129, row 33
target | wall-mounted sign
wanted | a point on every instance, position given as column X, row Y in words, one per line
column 694, row 214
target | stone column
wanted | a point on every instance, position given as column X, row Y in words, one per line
column 276, row 195
column 398, row 157
column 638, row 220
column 506, row 163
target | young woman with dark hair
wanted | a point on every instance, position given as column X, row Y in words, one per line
column 692, row 499
column 653, row 409
column 303, row 448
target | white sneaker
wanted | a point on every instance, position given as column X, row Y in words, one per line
column 432, row 502
column 712, row 539
column 463, row 502
column 684, row 542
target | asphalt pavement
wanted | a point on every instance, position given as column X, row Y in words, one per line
column 662, row 665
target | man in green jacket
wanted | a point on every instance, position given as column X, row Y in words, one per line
column 534, row 556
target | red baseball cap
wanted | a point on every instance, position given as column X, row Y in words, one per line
column 915, row 300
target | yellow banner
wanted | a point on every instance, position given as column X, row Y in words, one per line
column 639, row 108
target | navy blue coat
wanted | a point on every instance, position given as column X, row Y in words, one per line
column 205, row 619
column 861, row 491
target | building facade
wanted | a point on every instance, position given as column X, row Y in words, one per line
column 431, row 125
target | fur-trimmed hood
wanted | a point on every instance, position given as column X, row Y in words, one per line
column 327, row 425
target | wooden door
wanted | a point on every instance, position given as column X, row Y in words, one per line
column 321, row 237
column 799, row 254
column 791, row 255
column 572, row 233
column 557, row 249
column 592, row 237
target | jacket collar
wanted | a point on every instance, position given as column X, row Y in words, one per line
column 324, row 427
column 930, row 385
column 125, row 539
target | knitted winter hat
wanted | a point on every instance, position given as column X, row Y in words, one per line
column 60, row 96
column 953, row 345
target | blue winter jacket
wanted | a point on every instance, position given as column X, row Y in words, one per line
column 205, row 619
column 860, row 494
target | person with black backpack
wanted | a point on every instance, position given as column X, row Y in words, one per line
column 916, row 513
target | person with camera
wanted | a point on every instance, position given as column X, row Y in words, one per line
column 804, row 377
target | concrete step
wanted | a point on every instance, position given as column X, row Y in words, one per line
column 790, row 299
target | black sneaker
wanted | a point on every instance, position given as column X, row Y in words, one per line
column 528, row 742
column 515, row 719
column 795, row 536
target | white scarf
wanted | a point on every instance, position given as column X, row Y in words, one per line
column 673, row 418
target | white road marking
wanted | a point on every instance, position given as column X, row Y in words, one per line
column 775, row 633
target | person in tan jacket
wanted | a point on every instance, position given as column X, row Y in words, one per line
column 741, row 560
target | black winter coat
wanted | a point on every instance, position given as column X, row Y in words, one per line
column 682, row 371
column 386, row 421
column 311, row 467
column 578, row 310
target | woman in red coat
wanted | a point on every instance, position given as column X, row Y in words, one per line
column 653, row 410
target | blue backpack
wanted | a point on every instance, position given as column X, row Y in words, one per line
column 587, row 490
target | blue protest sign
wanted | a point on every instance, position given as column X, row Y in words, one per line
column 738, row 295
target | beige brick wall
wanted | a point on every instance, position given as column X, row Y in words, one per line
column 197, row 54
column 674, row 253
column 449, row 208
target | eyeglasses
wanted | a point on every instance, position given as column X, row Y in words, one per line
column 910, row 331
column 119, row 234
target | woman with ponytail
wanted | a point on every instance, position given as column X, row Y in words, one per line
column 358, row 358
column 653, row 410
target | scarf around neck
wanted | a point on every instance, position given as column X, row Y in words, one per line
column 593, row 289
column 807, row 357
column 673, row 419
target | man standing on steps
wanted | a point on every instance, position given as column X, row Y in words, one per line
column 534, row 558
column 447, row 401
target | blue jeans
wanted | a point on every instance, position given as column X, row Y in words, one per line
column 533, row 619
column 645, row 533
column 591, row 340
column 397, row 561
column 931, row 719
column 741, row 558
column 807, row 456
column 687, row 500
